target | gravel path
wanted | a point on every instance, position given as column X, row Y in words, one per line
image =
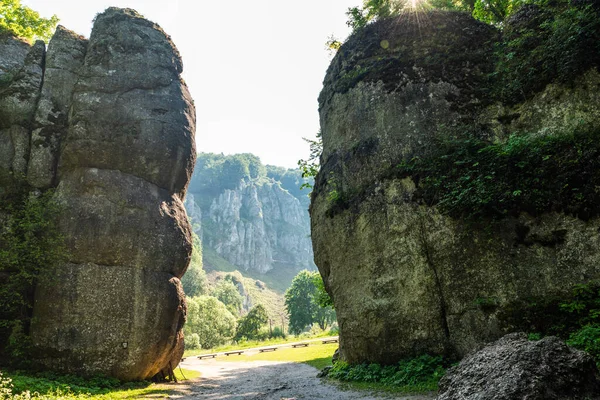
column 266, row 380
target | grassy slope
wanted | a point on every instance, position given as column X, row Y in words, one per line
column 273, row 301
column 278, row 279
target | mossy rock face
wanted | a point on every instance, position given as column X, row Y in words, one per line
column 410, row 271
column 435, row 46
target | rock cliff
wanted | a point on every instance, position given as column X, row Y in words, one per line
column 108, row 125
column 444, row 199
column 253, row 222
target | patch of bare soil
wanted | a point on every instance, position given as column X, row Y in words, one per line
column 267, row 380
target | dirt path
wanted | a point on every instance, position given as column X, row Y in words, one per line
column 265, row 380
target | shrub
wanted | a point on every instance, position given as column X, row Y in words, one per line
column 587, row 339
column 415, row 374
column 192, row 341
column 278, row 333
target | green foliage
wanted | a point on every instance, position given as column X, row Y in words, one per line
column 250, row 325
column 227, row 293
column 416, row 374
column 216, row 172
column 192, row 341
column 472, row 179
column 210, row 320
column 48, row 385
column 321, row 296
column 293, row 181
column 194, row 281
column 372, row 10
column 558, row 45
column 310, row 167
column 303, row 302
column 488, row 11
column 277, row 332
column 31, row 247
column 574, row 317
column 24, row 22
column 587, row 339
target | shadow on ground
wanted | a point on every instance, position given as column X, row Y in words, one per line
column 266, row 380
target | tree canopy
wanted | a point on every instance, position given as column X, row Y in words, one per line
column 227, row 293
column 307, row 302
column 489, row 11
column 210, row 320
column 194, row 281
column 24, row 22
column 250, row 325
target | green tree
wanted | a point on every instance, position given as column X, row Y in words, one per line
column 210, row 320
column 322, row 298
column 194, row 281
column 250, row 325
column 373, row 10
column 227, row 293
column 303, row 302
column 24, row 22
column 489, row 11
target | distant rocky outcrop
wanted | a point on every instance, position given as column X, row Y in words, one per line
column 108, row 124
column 420, row 250
column 516, row 368
column 249, row 218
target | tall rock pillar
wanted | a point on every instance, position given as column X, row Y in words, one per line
column 122, row 145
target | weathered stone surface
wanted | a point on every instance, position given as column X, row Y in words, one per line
column 21, row 78
column 255, row 226
column 112, row 130
column 130, row 96
column 515, row 368
column 407, row 279
column 109, row 319
column 64, row 58
column 111, row 218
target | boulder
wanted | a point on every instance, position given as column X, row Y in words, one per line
column 405, row 275
column 516, row 368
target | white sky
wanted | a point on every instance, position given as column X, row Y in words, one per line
column 254, row 68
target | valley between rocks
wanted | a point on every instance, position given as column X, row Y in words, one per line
column 267, row 380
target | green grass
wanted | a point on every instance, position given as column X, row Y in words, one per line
column 318, row 355
column 254, row 343
column 49, row 386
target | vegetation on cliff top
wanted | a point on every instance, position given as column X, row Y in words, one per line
column 24, row 22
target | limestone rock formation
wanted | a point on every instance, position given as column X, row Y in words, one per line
column 256, row 224
column 408, row 277
column 112, row 133
column 515, row 368
column 21, row 76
